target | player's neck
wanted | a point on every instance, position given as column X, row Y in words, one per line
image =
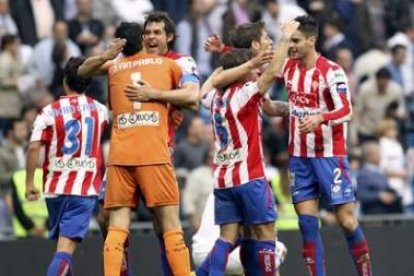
column 309, row 60
column 71, row 93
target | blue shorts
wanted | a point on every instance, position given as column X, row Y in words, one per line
column 69, row 216
column 248, row 204
column 328, row 177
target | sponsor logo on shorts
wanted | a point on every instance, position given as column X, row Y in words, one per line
column 336, row 191
column 137, row 119
column 74, row 163
column 228, row 157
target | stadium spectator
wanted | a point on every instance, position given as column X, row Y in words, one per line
column 373, row 98
column 41, row 64
column 29, row 218
column 85, row 30
column 132, row 10
column 189, row 153
column 345, row 59
column 398, row 58
column 59, row 58
column 7, row 24
column 35, row 19
column 238, row 12
column 275, row 13
column 196, row 191
column 392, row 161
column 198, row 28
column 73, row 171
column 334, row 38
column 405, row 37
column 11, row 70
column 368, row 63
column 12, row 152
column 373, row 190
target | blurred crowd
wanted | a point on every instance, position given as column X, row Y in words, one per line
column 373, row 40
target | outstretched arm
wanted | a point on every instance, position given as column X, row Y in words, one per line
column 96, row 65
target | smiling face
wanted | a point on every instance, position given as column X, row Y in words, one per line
column 156, row 39
column 300, row 45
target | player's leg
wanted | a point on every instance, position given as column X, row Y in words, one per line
column 258, row 211
column 163, row 199
column 103, row 222
column 228, row 215
column 69, row 220
column 357, row 244
column 119, row 199
column 334, row 176
column 305, row 192
column 165, row 266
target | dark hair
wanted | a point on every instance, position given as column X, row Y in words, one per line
column 308, row 25
column 169, row 26
column 9, row 125
column 243, row 36
column 132, row 32
column 235, row 58
column 335, row 22
column 383, row 73
column 7, row 39
column 59, row 53
column 396, row 48
column 75, row 82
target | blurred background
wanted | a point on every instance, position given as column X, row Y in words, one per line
column 373, row 40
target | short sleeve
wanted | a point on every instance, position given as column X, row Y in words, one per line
column 247, row 94
column 189, row 70
column 42, row 122
column 207, row 98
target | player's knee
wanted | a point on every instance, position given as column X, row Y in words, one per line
column 263, row 231
column 348, row 223
column 167, row 218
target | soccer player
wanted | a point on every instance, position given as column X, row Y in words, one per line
column 71, row 130
column 208, row 233
column 139, row 159
column 320, row 106
column 242, row 196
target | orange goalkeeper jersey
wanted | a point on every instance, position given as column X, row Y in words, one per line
column 140, row 130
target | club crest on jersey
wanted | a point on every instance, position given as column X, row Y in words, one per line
column 315, row 84
column 137, row 119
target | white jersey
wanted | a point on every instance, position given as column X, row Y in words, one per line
column 237, row 125
column 71, row 129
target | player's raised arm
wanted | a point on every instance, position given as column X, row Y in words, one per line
column 275, row 66
column 227, row 77
column 96, row 65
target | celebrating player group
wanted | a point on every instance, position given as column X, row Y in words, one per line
column 148, row 86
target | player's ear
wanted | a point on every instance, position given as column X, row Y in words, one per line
column 170, row 37
column 256, row 45
column 312, row 39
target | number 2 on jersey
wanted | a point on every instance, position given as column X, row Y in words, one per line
column 72, row 142
column 136, row 77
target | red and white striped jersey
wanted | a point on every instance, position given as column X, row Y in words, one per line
column 71, row 129
column 322, row 89
column 236, row 120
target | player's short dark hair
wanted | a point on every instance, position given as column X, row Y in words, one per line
column 235, row 58
column 169, row 26
column 308, row 25
column 132, row 32
column 383, row 73
column 243, row 36
column 72, row 79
